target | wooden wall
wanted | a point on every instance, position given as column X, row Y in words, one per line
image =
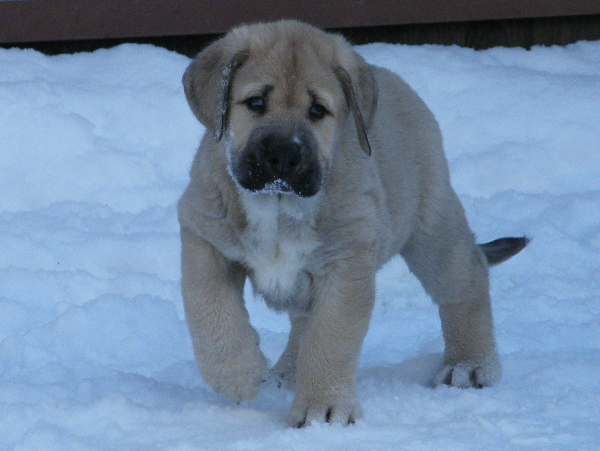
column 57, row 26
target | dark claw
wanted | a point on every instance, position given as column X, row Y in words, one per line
column 448, row 379
column 473, row 379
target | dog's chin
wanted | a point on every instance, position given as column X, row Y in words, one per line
column 279, row 187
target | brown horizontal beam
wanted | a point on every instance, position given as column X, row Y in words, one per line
column 58, row 20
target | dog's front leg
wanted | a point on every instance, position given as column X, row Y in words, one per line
column 330, row 346
column 225, row 344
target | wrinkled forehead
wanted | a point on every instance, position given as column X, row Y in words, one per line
column 291, row 68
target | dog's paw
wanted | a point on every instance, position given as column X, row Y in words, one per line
column 238, row 378
column 283, row 376
column 467, row 374
column 336, row 410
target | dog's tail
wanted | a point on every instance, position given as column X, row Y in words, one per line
column 502, row 249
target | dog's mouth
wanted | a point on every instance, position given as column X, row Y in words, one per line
column 278, row 186
column 277, row 164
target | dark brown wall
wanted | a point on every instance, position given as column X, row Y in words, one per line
column 186, row 25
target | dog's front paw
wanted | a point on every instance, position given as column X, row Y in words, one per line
column 333, row 409
column 237, row 377
column 467, row 374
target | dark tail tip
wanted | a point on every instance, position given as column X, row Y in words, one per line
column 502, row 249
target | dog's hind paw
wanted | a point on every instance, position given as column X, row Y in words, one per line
column 469, row 375
column 282, row 379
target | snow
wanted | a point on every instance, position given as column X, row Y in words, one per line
column 94, row 350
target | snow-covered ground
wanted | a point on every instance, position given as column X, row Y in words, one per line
column 94, row 351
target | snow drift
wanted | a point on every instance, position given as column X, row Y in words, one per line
column 94, row 351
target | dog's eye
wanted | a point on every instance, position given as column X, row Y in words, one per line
column 317, row 111
column 256, row 104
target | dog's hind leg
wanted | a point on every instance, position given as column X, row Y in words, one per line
column 284, row 371
column 454, row 271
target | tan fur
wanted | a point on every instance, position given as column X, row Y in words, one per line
column 315, row 255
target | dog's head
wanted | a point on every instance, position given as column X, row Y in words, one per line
column 278, row 94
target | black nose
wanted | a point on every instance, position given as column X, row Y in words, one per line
column 282, row 158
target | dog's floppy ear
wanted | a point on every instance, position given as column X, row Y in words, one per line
column 361, row 95
column 207, row 83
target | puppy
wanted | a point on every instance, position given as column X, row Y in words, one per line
column 315, row 170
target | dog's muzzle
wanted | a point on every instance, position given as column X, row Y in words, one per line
column 275, row 162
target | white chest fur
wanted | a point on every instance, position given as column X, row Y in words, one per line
column 278, row 242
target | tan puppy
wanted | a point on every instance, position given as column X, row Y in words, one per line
column 316, row 169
